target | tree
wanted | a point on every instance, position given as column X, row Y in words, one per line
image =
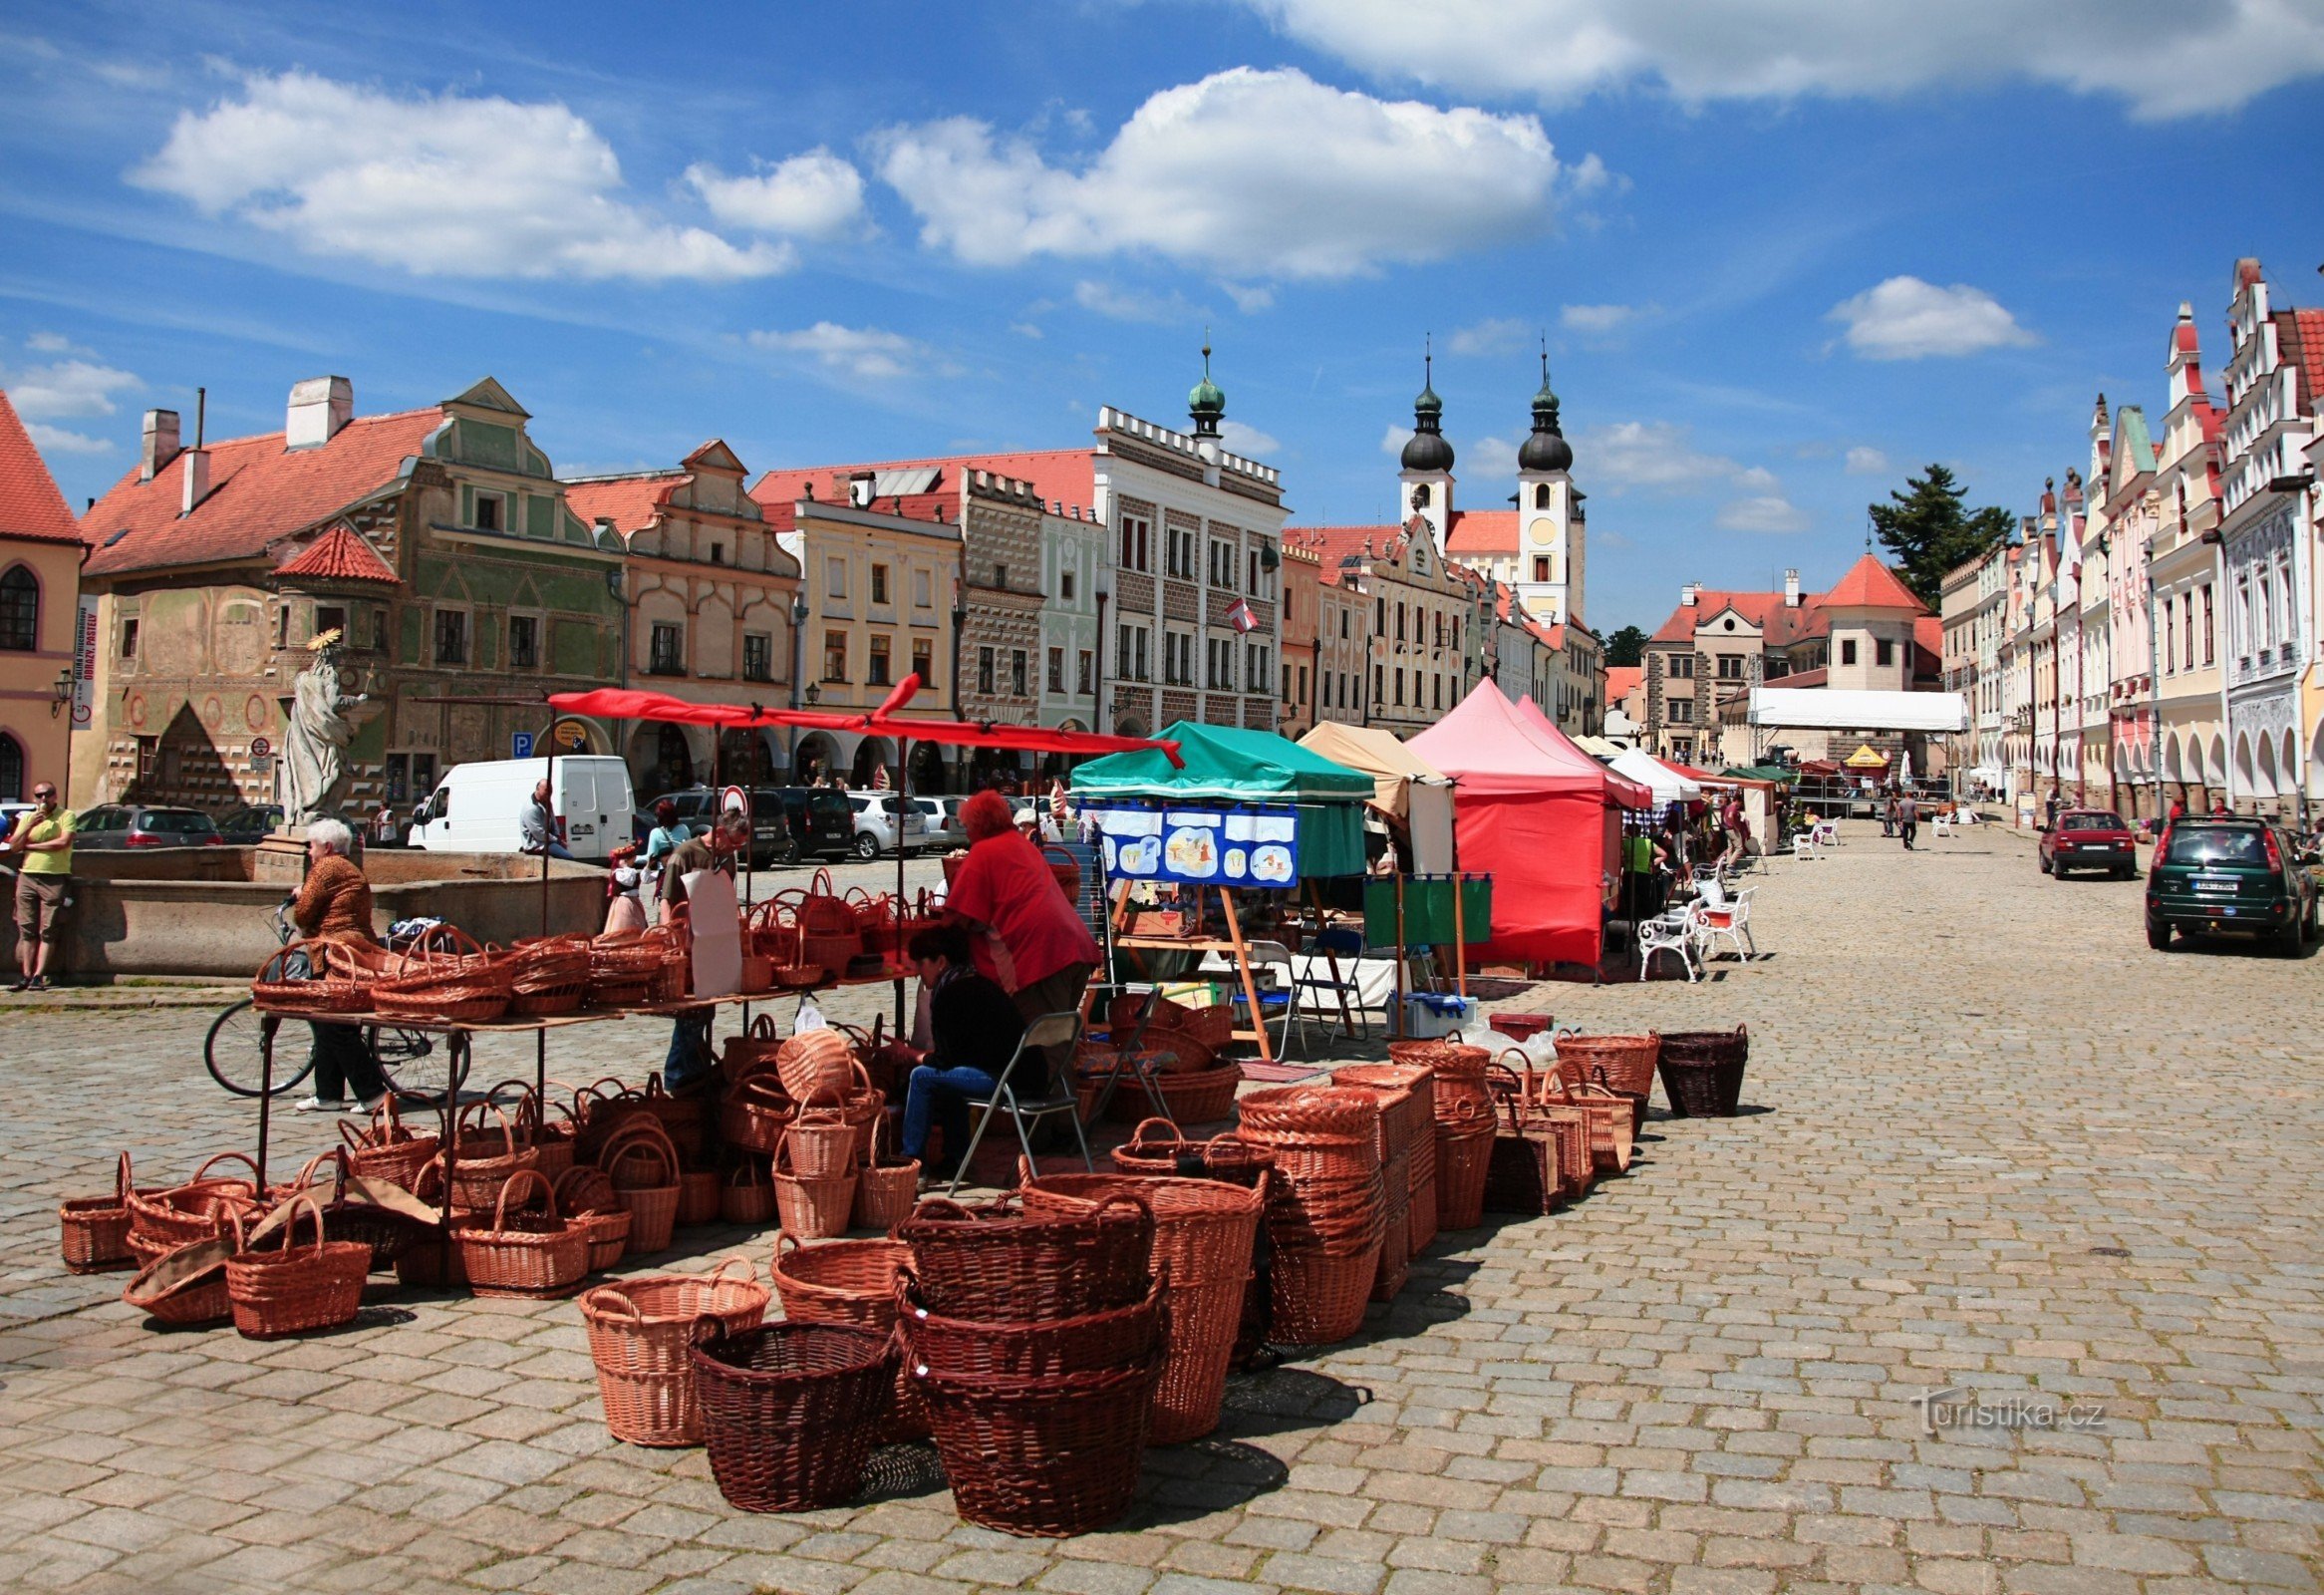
column 1928, row 533
column 1625, row 647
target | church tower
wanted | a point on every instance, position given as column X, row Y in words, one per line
column 1427, row 477
column 1548, row 579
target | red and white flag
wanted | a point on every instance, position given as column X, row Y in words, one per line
column 880, row 779
column 1241, row 617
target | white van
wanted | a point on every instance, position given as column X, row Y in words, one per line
column 480, row 809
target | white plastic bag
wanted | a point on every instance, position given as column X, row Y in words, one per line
column 809, row 1017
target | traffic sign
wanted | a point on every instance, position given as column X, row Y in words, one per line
column 520, row 744
column 260, row 747
column 735, row 801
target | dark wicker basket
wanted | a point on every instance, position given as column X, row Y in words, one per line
column 964, row 1348
column 1702, row 1071
column 790, row 1411
column 998, row 1262
column 1050, row 1456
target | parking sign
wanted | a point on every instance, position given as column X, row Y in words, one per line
column 520, row 744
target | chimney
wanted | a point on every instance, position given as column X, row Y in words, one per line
column 319, row 406
column 160, row 444
column 1791, row 589
column 197, row 480
column 1688, row 593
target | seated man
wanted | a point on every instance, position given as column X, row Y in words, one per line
column 973, row 1029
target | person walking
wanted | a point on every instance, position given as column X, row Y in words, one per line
column 1908, row 818
column 1027, row 935
column 537, row 826
column 42, row 843
column 382, row 827
column 1889, row 815
column 334, row 906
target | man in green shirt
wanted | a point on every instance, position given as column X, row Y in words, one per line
column 42, row 847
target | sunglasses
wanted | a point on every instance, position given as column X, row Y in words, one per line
column 44, row 796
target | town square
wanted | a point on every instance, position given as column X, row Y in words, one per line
column 1156, row 799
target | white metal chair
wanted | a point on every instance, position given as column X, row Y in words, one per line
column 1803, row 845
column 1726, row 919
column 1050, row 1030
column 1827, row 832
column 1669, row 932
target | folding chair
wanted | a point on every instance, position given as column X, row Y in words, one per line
column 1050, row 1030
column 1278, row 993
column 1129, row 1054
column 1322, row 992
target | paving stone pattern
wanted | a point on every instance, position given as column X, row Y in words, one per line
column 1997, row 1144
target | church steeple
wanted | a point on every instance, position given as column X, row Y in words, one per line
column 1547, row 449
column 1205, row 404
column 1428, row 451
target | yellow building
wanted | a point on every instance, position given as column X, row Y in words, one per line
column 40, row 593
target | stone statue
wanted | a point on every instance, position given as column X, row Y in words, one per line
column 323, row 719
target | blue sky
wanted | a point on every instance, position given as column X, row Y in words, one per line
column 1782, row 251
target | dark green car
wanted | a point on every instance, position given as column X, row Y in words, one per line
column 2230, row 877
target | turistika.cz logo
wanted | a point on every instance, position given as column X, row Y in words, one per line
column 1954, row 1409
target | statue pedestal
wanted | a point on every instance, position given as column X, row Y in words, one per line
column 280, row 857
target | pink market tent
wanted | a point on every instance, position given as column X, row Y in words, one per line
column 1541, row 817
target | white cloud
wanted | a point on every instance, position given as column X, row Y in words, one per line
column 1866, row 461
column 1905, row 319
column 1764, row 512
column 433, row 184
column 867, row 353
column 1488, row 461
column 814, row 195
column 51, row 343
column 1392, row 441
column 57, row 441
column 1130, row 304
column 1658, row 456
column 65, row 388
column 1024, row 329
column 1597, row 321
column 2166, row 58
column 1249, row 174
column 1248, row 442
column 1250, row 301
column 1495, row 335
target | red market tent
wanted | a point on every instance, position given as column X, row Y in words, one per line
column 1540, row 815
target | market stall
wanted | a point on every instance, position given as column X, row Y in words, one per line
column 1668, row 785
column 1405, row 787
column 1541, row 817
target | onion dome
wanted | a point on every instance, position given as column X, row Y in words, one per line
column 1204, row 402
column 1547, row 449
column 1428, row 449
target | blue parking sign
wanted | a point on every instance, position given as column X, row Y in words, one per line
column 520, row 744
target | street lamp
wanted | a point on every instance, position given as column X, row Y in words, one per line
column 1104, row 586
column 61, row 690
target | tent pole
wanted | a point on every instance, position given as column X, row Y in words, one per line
column 1460, row 943
column 903, row 802
column 1401, row 953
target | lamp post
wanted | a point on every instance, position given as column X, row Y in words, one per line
column 1104, row 589
column 798, row 669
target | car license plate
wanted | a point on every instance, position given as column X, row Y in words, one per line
column 2094, row 847
column 2224, row 885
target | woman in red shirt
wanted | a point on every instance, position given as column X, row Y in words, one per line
column 1027, row 934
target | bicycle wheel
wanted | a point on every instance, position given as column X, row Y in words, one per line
column 415, row 1065
column 230, row 1052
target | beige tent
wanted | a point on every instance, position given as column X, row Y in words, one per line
column 1404, row 784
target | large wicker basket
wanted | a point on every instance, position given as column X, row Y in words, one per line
column 642, row 1334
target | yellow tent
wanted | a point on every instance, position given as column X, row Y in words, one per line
column 1865, row 759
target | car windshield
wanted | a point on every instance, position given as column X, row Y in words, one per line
column 829, row 808
column 2221, row 844
column 178, row 822
column 2092, row 823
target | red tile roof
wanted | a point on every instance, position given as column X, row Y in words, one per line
column 338, row 556
column 1482, row 532
column 628, row 502
column 2308, row 350
column 1065, row 476
column 1344, row 547
column 1780, row 624
column 260, row 493
column 1621, row 681
column 1870, row 584
column 30, row 505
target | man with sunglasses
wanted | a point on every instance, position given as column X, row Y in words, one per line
column 42, row 846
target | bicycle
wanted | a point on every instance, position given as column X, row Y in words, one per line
column 409, row 1061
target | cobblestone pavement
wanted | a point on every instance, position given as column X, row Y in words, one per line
column 1997, row 1145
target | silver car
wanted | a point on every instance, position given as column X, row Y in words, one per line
column 944, row 830
column 875, row 823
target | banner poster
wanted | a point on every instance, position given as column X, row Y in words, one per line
column 1244, row 845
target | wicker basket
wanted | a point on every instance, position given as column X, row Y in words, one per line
column 277, row 989
column 1226, row 1157
column 1464, row 1154
column 993, row 1349
column 820, row 1143
column 93, row 1231
column 884, row 1193
column 850, row 1282
column 1204, row 1232
column 699, row 1202
column 1000, row 1261
column 1624, row 1063
column 642, row 1334
column 1320, row 1299
column 201, row 1210
column 548, row 975
column 297, row 1289
column 448, row 979
column 1702, row 1072
column 643, row 1167
column 748, row 1195
column 815, row 1063
column 1042, row 1457
column 477, row 1180
column 755, row 1113
column 1191, row 1096
column 186, row 1286
column 522, row 1253
column 387, row 1150
column 790, row 1411
column 813, row 1209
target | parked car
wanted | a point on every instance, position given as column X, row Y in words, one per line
column 9, row 813
column 477, row 808
column 771, row 832
column 111, row 826
column 875, row 823
column 821, row 820
column 2231, row 876
column 246, row 827
column 944, row 830
column 2088, row 839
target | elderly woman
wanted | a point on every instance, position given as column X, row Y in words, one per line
column 1027, row 934
column 334, row 905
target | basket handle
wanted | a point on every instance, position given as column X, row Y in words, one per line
column 121, row 1182
column 749, row 1275
column 507, row 1131
column 941, row 1207
column 548, row 1193
column 627, row 1140
column 237, row 1158
column 1138, row 1134
column 781, row 1235
column 290, row 1240
column 762, row 1029
column 605, row 1298
column 741, row 1175
column 822, row 887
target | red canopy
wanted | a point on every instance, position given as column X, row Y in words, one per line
column 1538, row 814
column 625, row 703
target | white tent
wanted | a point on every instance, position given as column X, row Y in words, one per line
column 1669, row 787
column 1847, row 709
